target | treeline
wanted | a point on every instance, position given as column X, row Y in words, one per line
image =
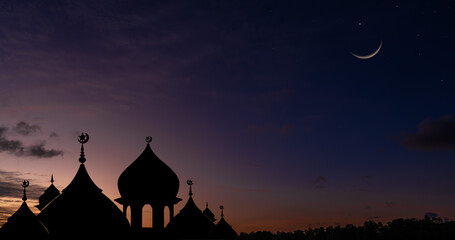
column 399, row 229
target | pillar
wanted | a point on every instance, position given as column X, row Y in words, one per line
column 158, row 217
column 171, row 212
column 136, row 216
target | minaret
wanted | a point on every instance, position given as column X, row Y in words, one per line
column 209, row 213
column 49, row 194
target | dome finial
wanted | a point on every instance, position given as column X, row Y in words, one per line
column 52, row 178
column 190, row 182
column 25, row 184
column 222, row 214
column 148, row 139
column 83, row 138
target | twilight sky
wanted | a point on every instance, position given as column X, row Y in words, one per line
column 260, row 103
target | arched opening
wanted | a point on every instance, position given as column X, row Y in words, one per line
column 166, row 216
column 147, row 221
column 128, row 214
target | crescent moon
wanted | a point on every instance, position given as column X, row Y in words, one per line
column 25, row 183
column 369, row 55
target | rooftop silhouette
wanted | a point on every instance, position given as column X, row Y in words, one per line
column 162, row 188
column 222, row 229
column 49, row 194
column 82, row 211
column 209, row 213
column 190, row 223
column 23, row 224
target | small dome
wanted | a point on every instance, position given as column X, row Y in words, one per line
column 23, row 224
column 223, row 230
column 209, row 213
column 148, row 180
column 190, row 223
column 49, row 194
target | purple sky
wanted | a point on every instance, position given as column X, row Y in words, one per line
column 260, row 103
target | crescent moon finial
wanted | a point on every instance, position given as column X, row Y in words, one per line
column 222, row 208
column 83, row 138
column 148, row 139
column 25, row 184
column 190, row 182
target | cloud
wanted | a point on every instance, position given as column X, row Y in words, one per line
column 431, row 135
column 320, row 182
column 10, row 186
column 17, row 147
column 26, row 129
column 53, row 135
column 11, row 193
column 39, row 151
column 321, row 179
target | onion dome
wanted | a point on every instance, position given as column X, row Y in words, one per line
column 209, row 213
column 222, row 229
column 23, row 224
column 190, row 223
column 148, row 170
column 83, row 211
column 49, row 194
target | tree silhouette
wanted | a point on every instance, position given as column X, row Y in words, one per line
column 398, row 229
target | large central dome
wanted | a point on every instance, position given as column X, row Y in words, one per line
column 148, row 180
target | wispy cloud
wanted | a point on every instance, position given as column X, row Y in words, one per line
column 11, row 193
column 26, row 129
column 18, row 148
column 10, row 186
column 431, row 135
column 320, row 182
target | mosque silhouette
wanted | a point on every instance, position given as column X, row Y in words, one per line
column 82, row 211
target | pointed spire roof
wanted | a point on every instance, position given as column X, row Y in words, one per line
column 209, row 213
column 190, row 223
column 148, row 180
column 82, row 210
column 23, row 223
column 49, row 194
column 222, row 229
